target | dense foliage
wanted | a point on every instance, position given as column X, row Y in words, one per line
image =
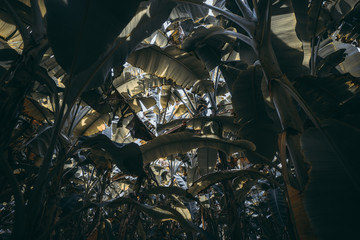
column 183, row 119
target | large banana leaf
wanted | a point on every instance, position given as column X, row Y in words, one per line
column 331, row 198
column 172, row 63
column 166, row 145
column 111, row 51
column 250, row 108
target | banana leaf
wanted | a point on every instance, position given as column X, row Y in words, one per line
column 172, row 63
column 92, row 123
column 126, row 156
column 165, row 145
column 331, row 198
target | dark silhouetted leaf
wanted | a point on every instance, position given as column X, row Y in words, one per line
column 333, row 155
column 126, row 156
column 325, row 95
column 249, row 107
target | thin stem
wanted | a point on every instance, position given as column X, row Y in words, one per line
column 292, row 91
column 245, row 10
column 176, row 93
column 188, row 98
column 256, row 9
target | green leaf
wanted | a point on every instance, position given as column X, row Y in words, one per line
column 165, row 145
column 172, row 63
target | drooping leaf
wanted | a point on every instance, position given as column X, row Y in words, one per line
column 126, row 156
column 332, row 152
column 93, row 122
column 172, row 63
column 206, row 181
column 165, row 145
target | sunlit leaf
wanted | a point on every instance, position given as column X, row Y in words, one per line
column 93, row 122
column 165, row 145
column 206, row 181
column 33, row 109
column 171, row 63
